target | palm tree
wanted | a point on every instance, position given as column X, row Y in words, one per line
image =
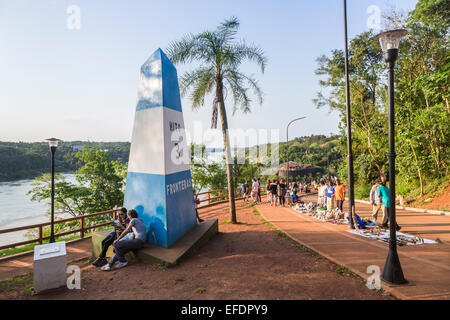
column 220, row 56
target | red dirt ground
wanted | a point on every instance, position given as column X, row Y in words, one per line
column 441, row 202
column 244, row 261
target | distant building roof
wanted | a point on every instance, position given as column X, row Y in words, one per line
column 294, row 165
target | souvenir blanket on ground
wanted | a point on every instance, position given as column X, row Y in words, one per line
column 402, row 239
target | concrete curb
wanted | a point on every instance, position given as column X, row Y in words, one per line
column 442, row 213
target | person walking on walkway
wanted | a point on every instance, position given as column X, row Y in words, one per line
column 273, row 193
column 268, row 190
column 245, row 190
column 281, row 190
column 255, row 188
column 375, row 200
column 383, row 192
column 259, row 190
column 340, row 194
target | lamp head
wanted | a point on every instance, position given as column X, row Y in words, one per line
column 389, row 42
column 53, row 142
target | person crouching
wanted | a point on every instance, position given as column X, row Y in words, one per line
column 123, row 246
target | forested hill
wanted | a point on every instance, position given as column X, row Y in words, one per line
column 28, row 160
column 322, row 152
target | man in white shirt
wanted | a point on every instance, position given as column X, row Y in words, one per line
column 375, row 200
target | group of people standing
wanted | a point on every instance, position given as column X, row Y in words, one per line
column 331, row 195
column 254, row 192
column 276, row 191
column 380, row 200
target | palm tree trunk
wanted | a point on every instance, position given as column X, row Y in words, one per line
column 226, row 143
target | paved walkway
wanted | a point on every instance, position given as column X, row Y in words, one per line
column 427, row 267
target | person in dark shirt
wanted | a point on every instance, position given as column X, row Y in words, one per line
column 123, row 245
column 281, row 191
column 245, row 190
column 259, row 190
column 109, row 239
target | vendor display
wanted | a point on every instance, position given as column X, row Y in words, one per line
column 335, row 216
column 383, row 235
column 364, row 226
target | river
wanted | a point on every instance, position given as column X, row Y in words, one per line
column 17, row 209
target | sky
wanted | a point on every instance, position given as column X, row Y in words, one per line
column 76, row 79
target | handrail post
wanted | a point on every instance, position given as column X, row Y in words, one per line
column 40, row 234
column 209, row 197
column 219, row 194
column 82, row 227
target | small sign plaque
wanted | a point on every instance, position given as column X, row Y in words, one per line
column 48, row 250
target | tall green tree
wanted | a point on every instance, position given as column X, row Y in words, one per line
column 206, row 174
column 367, row 97
column 220, row 56
column 422, row 112
column 422, row 101
column 100, row 185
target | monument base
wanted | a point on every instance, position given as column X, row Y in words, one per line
column 152, row 253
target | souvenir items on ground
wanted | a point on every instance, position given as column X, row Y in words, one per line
column 337, row 217
column 332, row 216
column 380, row 235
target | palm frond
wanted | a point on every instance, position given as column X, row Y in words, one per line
column 189, row 79
column 243, row 51
column 238, row 79
column 200, row 84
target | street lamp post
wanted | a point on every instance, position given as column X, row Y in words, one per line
column 389, row 42
column 351, row 185
column 53, row 143
column 287, row 148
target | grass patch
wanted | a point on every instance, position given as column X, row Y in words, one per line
column 230, row 222
column 24, row 282
column 30, row 247
column 346, row 271
column 200, row 290
column 162, row 265
column 174, row 281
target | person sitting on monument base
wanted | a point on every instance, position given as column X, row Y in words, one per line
column 123, row 246
column 119, row 226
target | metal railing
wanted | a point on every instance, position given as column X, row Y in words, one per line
column 40, row 227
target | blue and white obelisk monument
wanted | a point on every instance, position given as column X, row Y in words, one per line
column 159, row 184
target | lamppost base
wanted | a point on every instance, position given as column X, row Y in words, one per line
column 392, row 272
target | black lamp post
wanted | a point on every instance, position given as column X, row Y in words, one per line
column 53, row 143
column 389, row 42
column 351, row 185
column 287, row 148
